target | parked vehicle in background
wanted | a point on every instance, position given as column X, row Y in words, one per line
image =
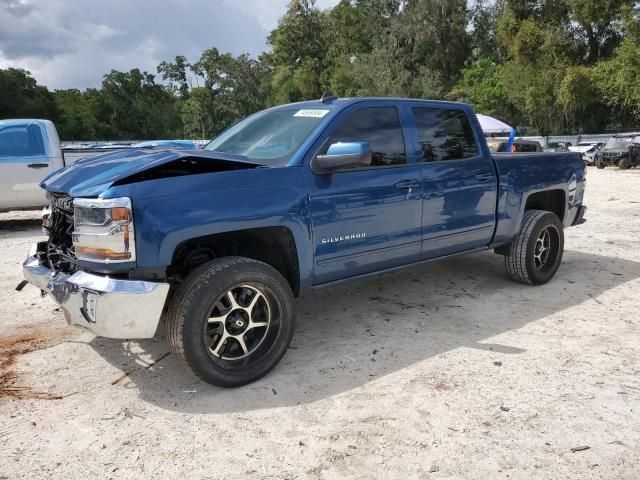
column 177, row 144
column 634, row 152
column 616, row 152
column 557, row 147
column 589, row 150
column 493, row 143
column 312, row 194
column 521, row 145
column 29, row 151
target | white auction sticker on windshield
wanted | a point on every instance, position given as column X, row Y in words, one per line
column 311, row 112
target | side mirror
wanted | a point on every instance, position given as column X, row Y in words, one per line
column 343, row 155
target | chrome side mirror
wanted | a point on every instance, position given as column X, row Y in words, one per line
column 341, row 156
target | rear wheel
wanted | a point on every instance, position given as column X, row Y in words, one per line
column 536, row 252
column 231, row 321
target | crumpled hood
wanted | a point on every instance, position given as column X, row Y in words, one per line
column 91, row 176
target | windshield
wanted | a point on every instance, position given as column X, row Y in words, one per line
column 618, row 142
column 270, row 137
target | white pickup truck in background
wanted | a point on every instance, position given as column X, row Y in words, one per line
column 29, row 151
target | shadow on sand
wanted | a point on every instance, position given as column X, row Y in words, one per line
column 20, row 227
column 406, row 317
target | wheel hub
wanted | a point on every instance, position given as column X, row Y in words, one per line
column 237, row 322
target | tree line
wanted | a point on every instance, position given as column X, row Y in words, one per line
column 545, row 66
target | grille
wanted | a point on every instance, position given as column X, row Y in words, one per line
column 60, row 253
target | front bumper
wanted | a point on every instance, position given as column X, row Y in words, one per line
column 579, row 220
column 611, row 160
column 108, row 307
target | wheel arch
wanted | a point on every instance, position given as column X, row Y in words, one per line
column 554, row 201
column 275, row 246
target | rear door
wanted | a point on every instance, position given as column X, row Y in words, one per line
column 24, row 162
column 459, row 182
column 367, row 219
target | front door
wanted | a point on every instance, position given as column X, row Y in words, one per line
column 368, row 219
column 23, row 164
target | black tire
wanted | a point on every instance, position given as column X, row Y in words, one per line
column 522, row 262
column 205, row 292
column 599, row 164
column 624, row 164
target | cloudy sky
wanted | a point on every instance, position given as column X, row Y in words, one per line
column 73, row 43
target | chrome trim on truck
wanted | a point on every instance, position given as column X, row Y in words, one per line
column 108, row 307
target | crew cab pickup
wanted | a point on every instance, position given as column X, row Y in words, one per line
column 218, row 242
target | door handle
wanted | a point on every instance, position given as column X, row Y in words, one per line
column 484, row 177
column 408, row 184
column 38, row 165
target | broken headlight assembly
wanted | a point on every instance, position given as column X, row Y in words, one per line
column 103, row 230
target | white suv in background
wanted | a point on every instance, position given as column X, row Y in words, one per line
column 588, row 150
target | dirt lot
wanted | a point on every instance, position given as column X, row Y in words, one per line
column 442, row 371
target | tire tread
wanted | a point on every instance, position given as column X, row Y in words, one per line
column 515, row 262
column 185, row 294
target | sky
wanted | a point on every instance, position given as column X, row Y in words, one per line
column 73, row 43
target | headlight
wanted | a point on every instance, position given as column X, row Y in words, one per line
column 103, row 230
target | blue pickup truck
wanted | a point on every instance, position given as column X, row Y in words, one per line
column 218, row 242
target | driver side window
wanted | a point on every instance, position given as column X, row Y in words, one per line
column 21, row 141
column 377, row 126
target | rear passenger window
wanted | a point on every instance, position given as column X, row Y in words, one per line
column 380, row 128
column 21, row 141
column 444, row 134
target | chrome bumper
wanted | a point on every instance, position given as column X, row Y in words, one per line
column 108, row 307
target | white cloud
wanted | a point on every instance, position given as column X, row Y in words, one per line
column 269, row 12
column 73, row 43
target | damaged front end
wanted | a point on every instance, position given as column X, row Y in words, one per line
column 109, row 307
column 85, row 262
column 57, row 223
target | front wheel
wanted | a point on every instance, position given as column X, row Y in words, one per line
column 624, row 164
column 599, row 164
column 536, row 252
column 231, row 321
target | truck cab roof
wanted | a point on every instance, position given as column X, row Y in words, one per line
column 344, row 102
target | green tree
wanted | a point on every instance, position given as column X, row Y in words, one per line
column 300, row 44
column 481, row 85
column 22, row 97
column 199, row 115
column 433, row 34
column 600, row 25
column 618, row 79
column 176, row 75
column 137, row 107
column 78, row 120
column 484, row 32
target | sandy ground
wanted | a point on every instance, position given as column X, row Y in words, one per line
column 442, row 371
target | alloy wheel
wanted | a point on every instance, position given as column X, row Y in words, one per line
column 238, row 323
column 546, row 248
